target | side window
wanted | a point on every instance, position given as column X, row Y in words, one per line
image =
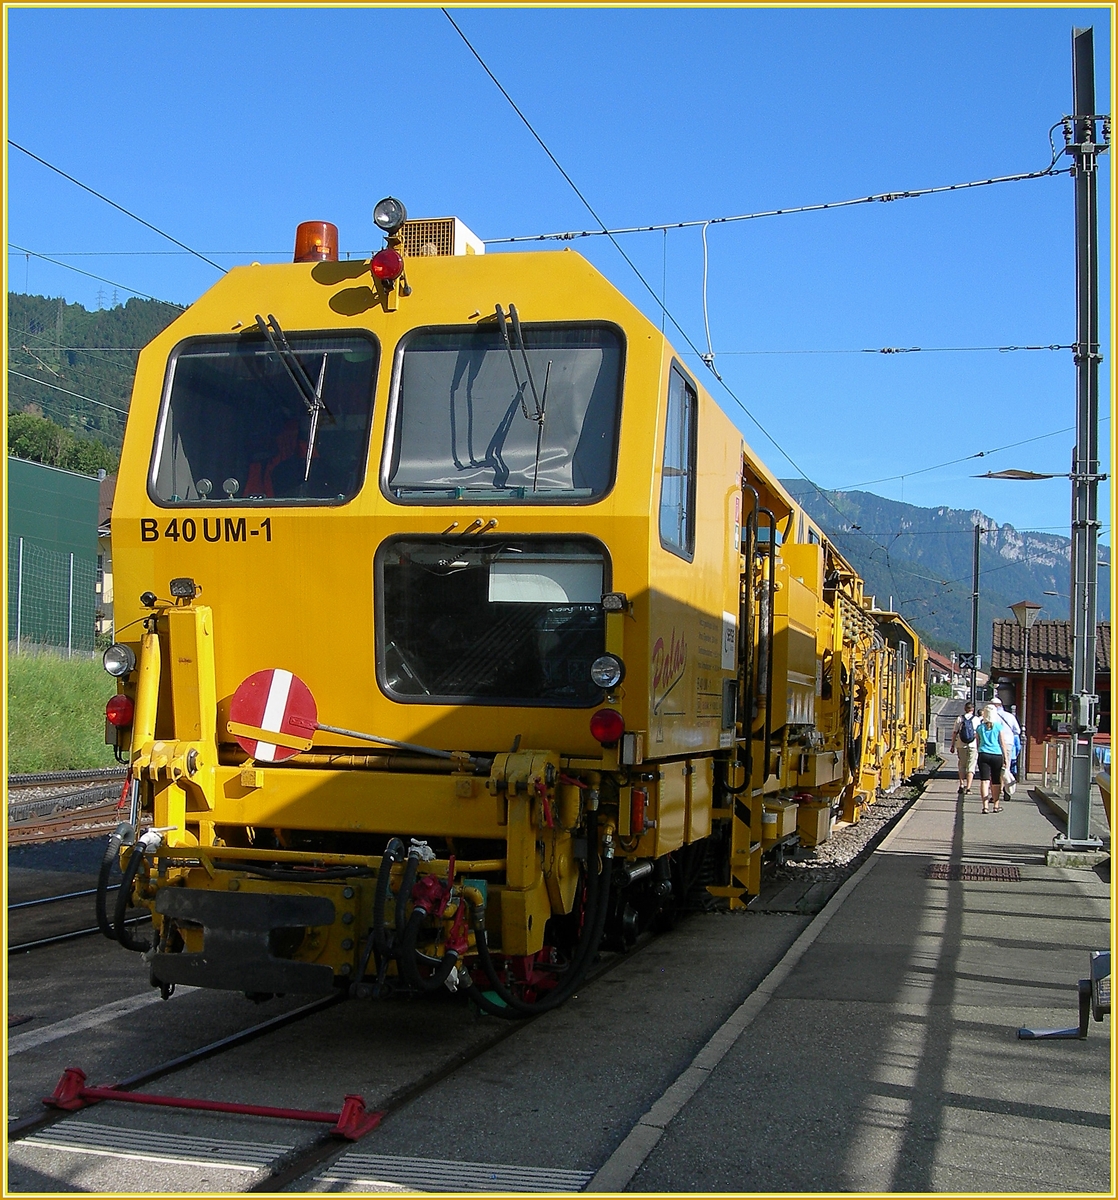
column 677, row 482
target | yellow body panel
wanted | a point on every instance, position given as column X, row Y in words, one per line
column 284, row 586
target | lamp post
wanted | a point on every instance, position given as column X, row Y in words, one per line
column 1026, row 612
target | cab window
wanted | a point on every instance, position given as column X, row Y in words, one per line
column 494, row 415
column 677, row 482
column 489, row 620
column 244, row 424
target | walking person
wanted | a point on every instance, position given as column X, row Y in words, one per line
column 964, row 745
column 1009, row 719
column 995, row 747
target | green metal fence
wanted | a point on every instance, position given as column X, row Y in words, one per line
column 51, row 597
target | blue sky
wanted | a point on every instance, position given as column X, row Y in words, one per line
column 226, row 127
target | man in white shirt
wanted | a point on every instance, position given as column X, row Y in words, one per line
column 1009, row 720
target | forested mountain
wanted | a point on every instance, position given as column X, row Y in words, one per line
column 919, row 560
column 74, row 366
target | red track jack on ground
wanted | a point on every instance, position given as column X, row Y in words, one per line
column 353, row 1122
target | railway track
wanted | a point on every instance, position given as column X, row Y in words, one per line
column 45, row 779
column 323, row 1148
column 34, row 908
column 79, row 821
column 29, row 1125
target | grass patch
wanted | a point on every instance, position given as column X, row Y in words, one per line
column 56, row 713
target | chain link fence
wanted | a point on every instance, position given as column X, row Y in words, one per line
column 52, row 598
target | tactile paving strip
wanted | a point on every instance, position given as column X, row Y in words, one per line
column 974, row 872
column 382, row 1172
column 112, row 1141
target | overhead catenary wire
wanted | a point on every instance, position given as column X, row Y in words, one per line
column 1040, row 437
column 683, row 332
column 877, row 197
column 100, row 278
column 160, row 253
column 707, row 358
column 574, row 187
column 118, row 207
column 90, row 361
column 76, row 395
column 907, row 350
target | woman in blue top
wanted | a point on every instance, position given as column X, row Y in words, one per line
column 995, row 749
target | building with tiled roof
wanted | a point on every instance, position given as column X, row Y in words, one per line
column 1047, row 707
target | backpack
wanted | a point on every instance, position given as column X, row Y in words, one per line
column 966, row 730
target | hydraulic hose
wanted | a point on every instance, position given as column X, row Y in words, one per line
column 123, row 831
column 408, row 956
column 120, row 930
column 378, row 941
column 597, row 909
column 515, row 1008
column 411, row 871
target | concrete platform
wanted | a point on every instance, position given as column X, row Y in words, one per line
column 887, row 1058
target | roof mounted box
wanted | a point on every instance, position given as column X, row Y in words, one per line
column 435, row 236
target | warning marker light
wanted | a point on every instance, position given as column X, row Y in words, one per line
column 316, row 241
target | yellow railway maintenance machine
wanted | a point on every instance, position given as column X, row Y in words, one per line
column 554, row 637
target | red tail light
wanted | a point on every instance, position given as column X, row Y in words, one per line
column 316, row 241
column 119, row 711
column 606, row 726
column 388, row 264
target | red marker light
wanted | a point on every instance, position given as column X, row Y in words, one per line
column 388, row 264
column 606, row 726
column 119, row 711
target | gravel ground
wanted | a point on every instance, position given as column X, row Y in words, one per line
column 850, row 845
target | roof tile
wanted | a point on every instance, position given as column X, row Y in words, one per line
column 1050, row 646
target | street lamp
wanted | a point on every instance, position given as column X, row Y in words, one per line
column 1026, row 613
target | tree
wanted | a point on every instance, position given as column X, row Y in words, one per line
column 38, row 439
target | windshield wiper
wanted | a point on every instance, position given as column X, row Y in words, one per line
column 512, row 362
column 311, row 393
column 539, row 430
column 527, row 366
column 540, row 402
column 318, row 408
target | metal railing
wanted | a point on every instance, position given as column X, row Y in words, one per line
column 1057, row 762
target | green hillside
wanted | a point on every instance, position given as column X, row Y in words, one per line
column 919, row 560
column 74, row 366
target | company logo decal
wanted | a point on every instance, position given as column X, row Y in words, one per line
column 669, row 661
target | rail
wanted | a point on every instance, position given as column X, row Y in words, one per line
column 91, row 775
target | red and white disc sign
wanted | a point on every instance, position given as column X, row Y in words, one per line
column 273, row 702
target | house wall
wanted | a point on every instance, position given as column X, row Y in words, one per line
column 1037, row 715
